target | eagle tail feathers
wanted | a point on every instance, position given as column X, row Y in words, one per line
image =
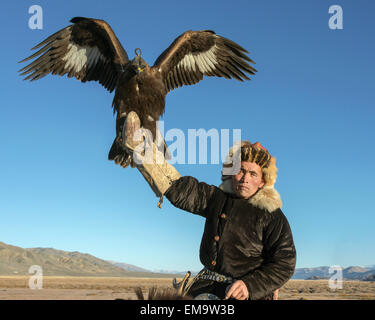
column 120, row 156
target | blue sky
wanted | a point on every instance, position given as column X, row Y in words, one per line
column 311, row 104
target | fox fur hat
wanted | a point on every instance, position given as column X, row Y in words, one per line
column 266, row 197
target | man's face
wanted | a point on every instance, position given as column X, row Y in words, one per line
column 248, row 180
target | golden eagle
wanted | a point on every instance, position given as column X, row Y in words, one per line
column 89, row 50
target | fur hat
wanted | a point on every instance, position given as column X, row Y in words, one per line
column 252, row 153
column 266, row 197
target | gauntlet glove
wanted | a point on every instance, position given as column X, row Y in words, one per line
column 148, row 159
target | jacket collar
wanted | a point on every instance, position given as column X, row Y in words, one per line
column 266, row 198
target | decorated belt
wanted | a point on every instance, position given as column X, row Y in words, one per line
column 206, row 274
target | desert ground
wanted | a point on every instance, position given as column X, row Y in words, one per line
column 101, row 288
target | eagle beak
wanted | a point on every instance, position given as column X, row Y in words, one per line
column 139, row 70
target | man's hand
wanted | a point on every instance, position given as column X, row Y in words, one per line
column 132, row 131
column 237, row 290
column 275, row 295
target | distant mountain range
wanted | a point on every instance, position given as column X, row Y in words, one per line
column 128, row 267
column 17, row 261
column 349, row 273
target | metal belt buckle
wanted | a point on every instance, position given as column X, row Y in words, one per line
column 206, row 296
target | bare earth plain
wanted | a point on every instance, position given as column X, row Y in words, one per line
column 110, row 288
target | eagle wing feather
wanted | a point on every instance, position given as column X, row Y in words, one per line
column 88, row 50
column 195, row 54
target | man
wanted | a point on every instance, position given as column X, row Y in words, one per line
column 247, row 246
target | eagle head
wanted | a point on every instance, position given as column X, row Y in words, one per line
column 138, row 63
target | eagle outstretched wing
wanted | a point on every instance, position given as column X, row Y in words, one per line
column 87, row 50
column 197, row 53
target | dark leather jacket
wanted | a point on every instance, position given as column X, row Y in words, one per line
column 240, row 240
